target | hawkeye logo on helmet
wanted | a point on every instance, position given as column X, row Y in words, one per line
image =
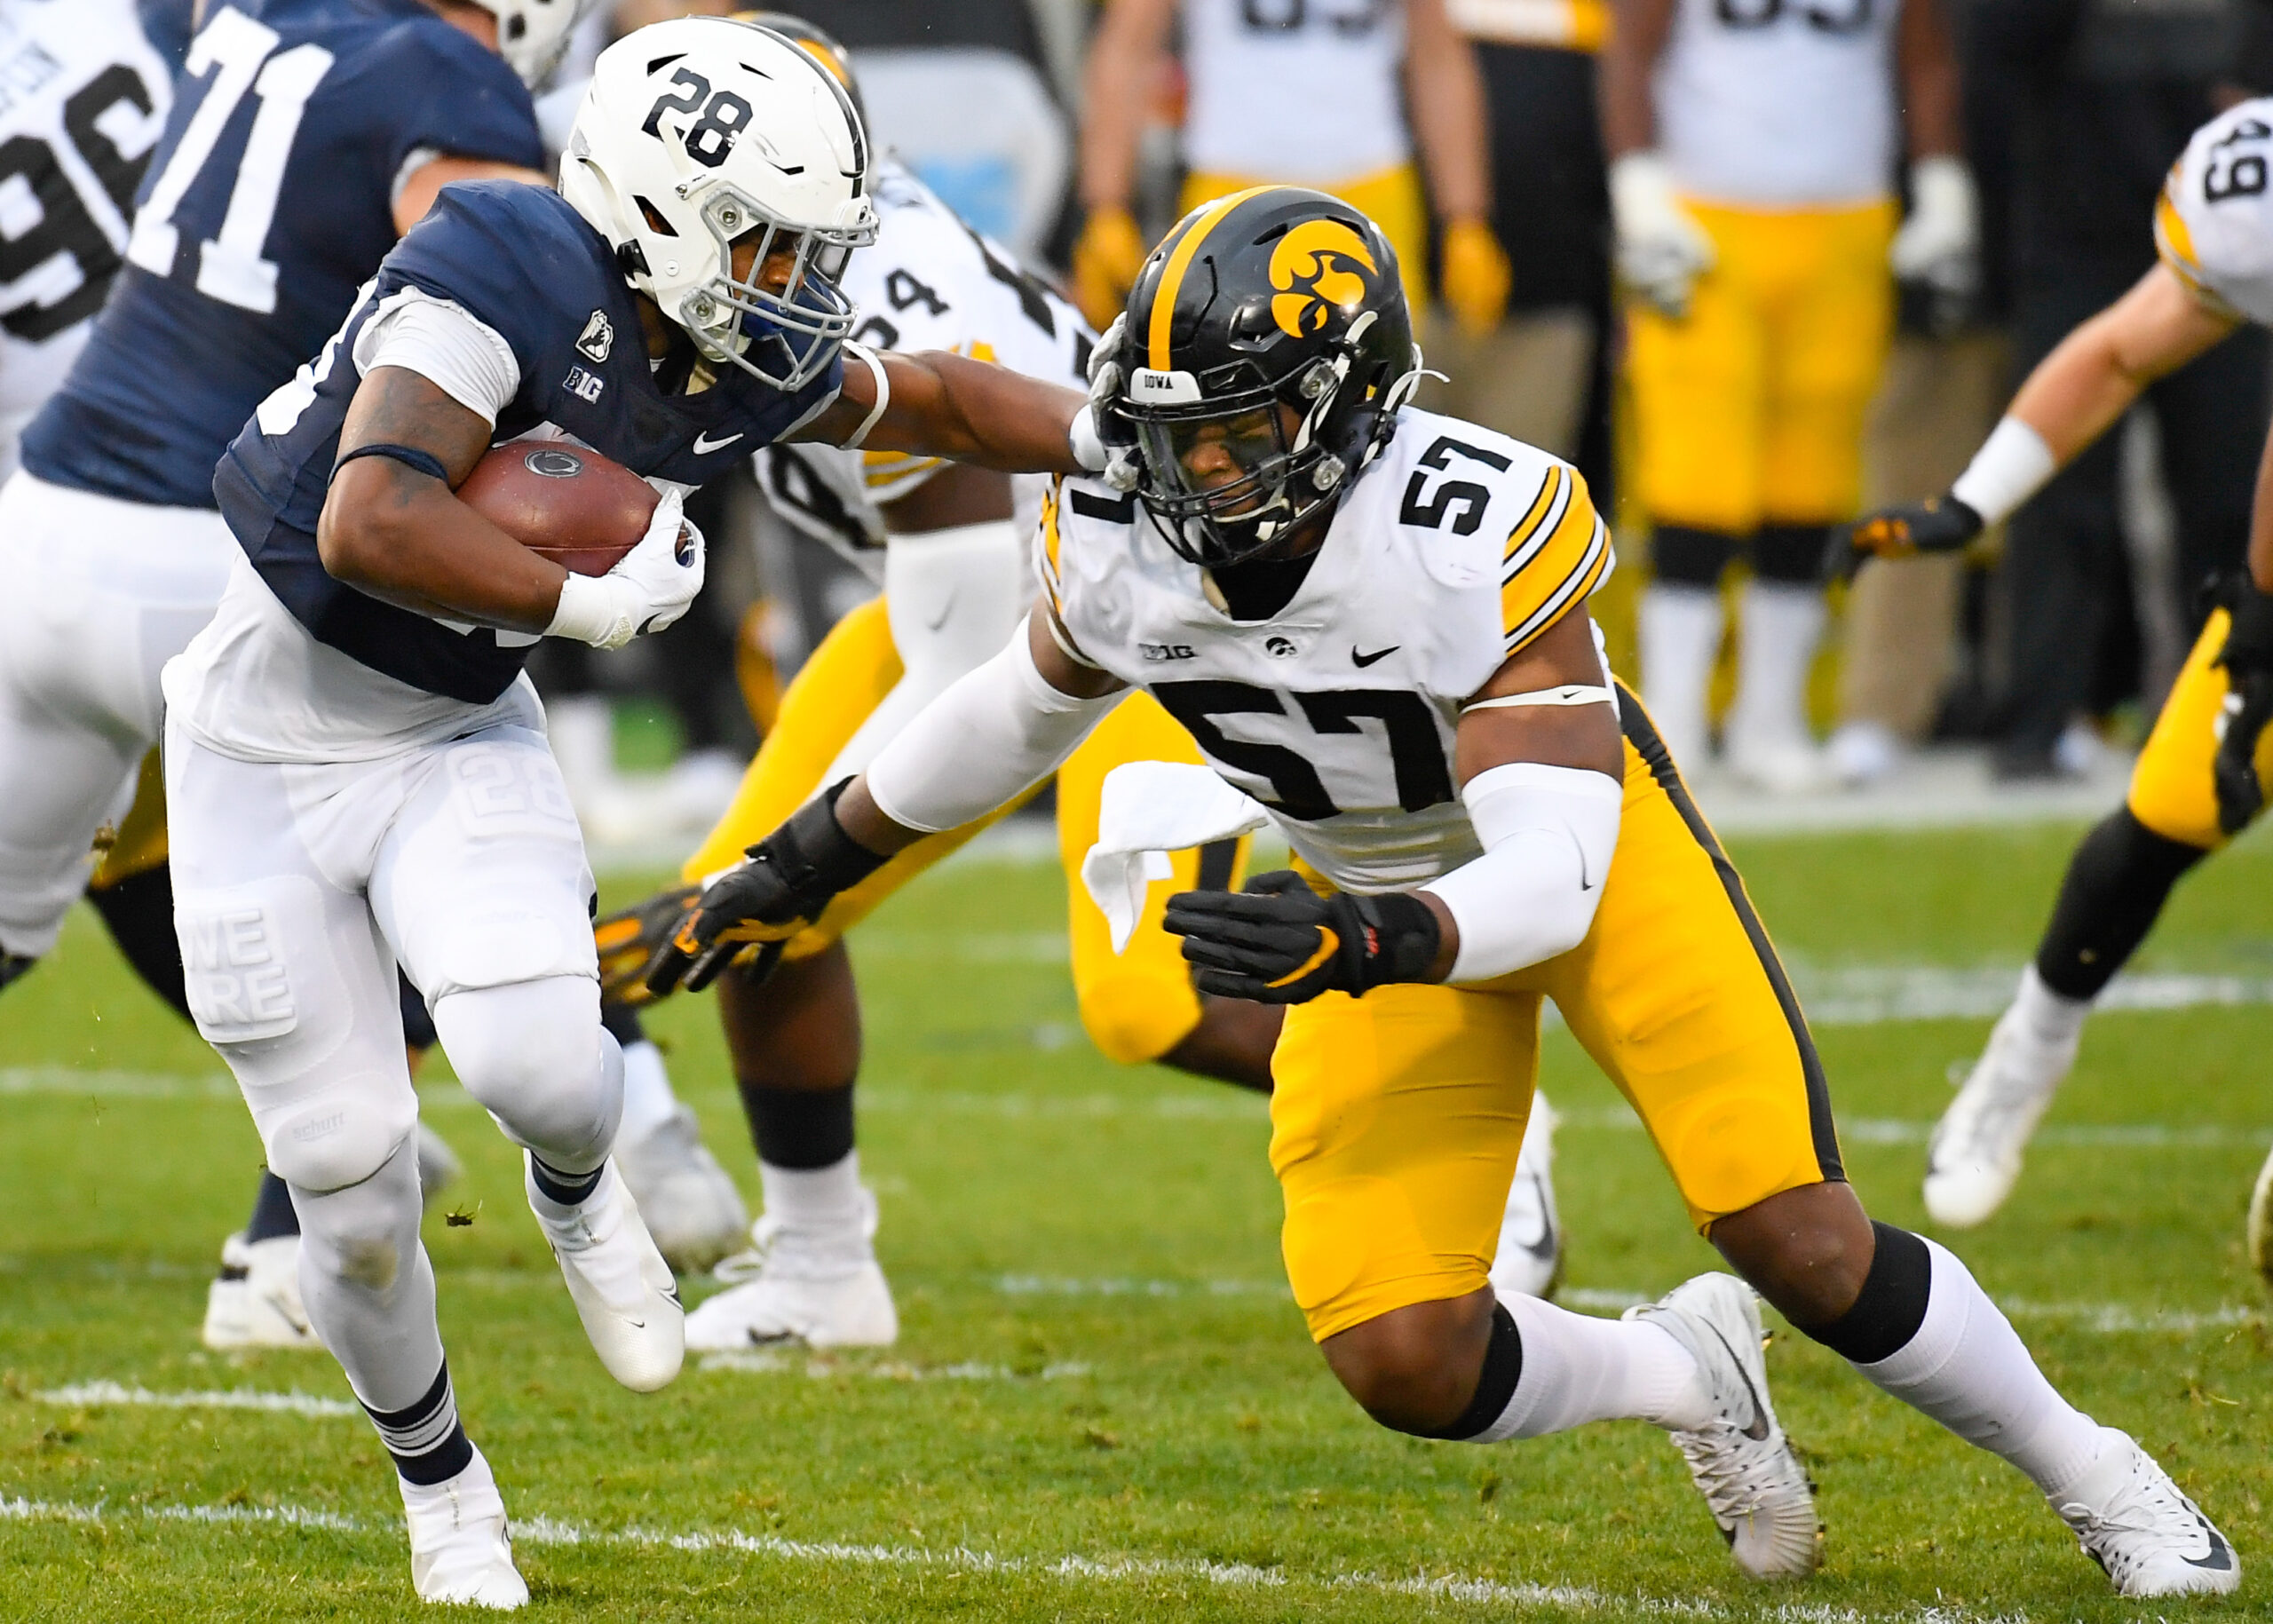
column 1319, row 266
column 1165, row 388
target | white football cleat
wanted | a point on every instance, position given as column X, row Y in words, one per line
column 2261, row 1224
column 621, row 1285
column 460, row 1550
column 1974, row 1159
column 689, row 1205
column 2142, row 1530
column 1741, row 1461
column 255, row 1301
column 1776, row 765
column 1529, row 1262
column 789, row 1288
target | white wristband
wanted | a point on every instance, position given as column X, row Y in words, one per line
column 592, row 611
column 2013, row 464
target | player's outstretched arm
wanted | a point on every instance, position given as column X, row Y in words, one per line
column 2075, row 395
column 936, row 404
column 994, row 732
column 1540, row 767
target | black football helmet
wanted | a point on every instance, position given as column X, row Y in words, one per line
column 1273, row 298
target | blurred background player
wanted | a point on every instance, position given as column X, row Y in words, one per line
column 1336, row 94
column 220, row 302
column 1752, row 148
column 2200, row 779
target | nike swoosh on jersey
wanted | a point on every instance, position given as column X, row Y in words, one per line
column 704, row 445
column 1758, row 1427
column 1362, row 661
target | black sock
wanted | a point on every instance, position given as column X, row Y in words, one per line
column 800, row 1128
column 2116, row 885
column 569, row 1189
column 1495, row 1384
column 1891, row 1305
column 428, row 1445
column 273, row 1212
column 623, row 1024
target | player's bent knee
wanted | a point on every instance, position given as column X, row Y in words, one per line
column 1135, row 1019
column 1418, row 1369
column 341, row 1136
column 535, row 1055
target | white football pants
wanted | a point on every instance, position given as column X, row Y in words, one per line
column 100, row 593
column 298, row 889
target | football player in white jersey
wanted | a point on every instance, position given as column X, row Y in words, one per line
column 1752, row 146
column 85, row 101
column 1378, row 623
column 2201, row 779
column 942, row 542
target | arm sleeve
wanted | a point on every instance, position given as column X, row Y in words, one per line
column 1548, row 834
column 462, row 356
column 996, row 731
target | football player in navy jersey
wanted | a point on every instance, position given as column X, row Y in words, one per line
column 356, row 770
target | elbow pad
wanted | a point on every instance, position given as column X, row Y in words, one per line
column 995, row 731
column 1548, row 834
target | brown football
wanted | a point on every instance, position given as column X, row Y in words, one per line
column 566, row 502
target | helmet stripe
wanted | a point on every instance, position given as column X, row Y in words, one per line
column 1172, row 274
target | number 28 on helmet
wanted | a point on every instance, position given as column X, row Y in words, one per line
column 698, row 134
column 1268, row 350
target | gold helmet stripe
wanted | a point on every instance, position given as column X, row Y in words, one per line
column 1172, row 274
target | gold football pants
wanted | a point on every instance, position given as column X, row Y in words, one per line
column 1750, row 408
column 2172, row 792
column 1397, row 1115
column 1137, row 1005
column 1392, row 198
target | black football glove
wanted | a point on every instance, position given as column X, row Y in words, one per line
column 1939, row 523
column 630, row 940
column 2248, row 657
column 791, row 877
column 1279, row 942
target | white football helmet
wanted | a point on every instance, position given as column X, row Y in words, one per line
column 532, row 34
column 699, row 131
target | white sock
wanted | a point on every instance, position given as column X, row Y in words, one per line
column 1782, row 624
column 1681, row 637
column 1578, row 1368
column 1966, row 1368
column 2051, row 1016
column 648, row 1101
column 821, row 1213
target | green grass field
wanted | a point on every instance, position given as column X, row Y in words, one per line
column 1104, row 1405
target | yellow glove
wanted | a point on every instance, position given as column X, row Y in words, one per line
column 1108, row 256
column 1477, row 276
column 628, row 941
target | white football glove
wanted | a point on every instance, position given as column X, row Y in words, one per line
column 649, row 587
column 1101, row 439
column 1939, row 245
column 1661, row 250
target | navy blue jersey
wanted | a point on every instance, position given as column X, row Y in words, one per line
column 168, row 25
column 522, row 260
column 269, row 201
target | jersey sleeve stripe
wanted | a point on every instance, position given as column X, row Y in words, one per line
column 1535, row 518
column 2173, row 238
column 1593, row 568
column 1048, row 559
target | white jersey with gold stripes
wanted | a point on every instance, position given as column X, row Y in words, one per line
column 1779, row 103
column 1456, row 547
column 1305, row 92
column 928, row 282
column 2213, row 222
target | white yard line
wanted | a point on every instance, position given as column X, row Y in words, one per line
column 95, row 1395
column 1072, row 1569
column 115, row 1085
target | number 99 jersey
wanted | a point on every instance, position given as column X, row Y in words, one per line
column 928, row 282
column 1455, row 548
column 2213, row 222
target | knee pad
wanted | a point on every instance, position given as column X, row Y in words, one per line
column 1681, row 555
column 340, row 1136
column 1791, row 555
column 1135, row 1017
column 535, row 1055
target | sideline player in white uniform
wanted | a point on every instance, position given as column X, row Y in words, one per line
column 1384, row 615
column 356, row 771
column 2201, row 779
column 1751, row 143
column 83, row 100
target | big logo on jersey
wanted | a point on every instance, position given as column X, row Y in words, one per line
column 1319, row 266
